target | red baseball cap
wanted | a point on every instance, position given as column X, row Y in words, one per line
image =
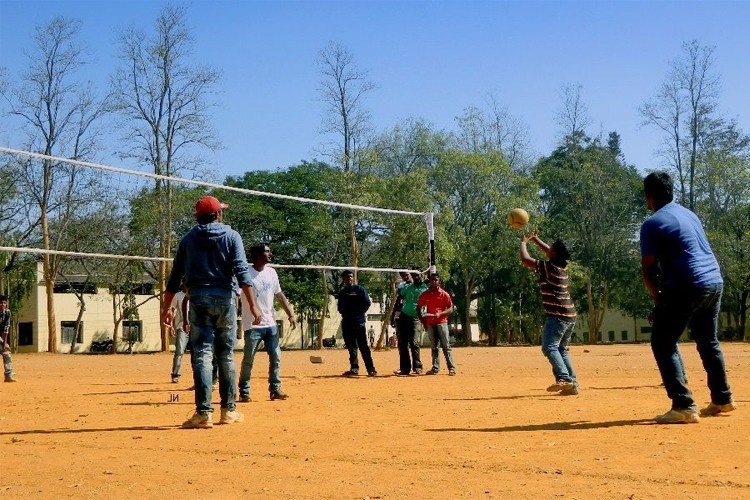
column 209, row 205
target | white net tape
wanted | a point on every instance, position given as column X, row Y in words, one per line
column 427, row 217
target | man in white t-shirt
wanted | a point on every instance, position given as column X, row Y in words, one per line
column 265, row 286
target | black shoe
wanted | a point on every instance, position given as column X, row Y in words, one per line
column 244, row 399
column 417, row 371
column 401, row 374
column 278, row 395
column 432, row 372
column 350, row 373
column 372, row 373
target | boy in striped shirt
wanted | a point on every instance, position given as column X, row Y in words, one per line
column 558, row 307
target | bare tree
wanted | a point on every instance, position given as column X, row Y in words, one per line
column 161, row 95
column 58, row 112
column 573, row 115
column 495, row 129
column 343, row 89
column 684, row 111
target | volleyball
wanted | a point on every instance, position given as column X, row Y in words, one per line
column 518, row 218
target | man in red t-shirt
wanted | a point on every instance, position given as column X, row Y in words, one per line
column 433, row 308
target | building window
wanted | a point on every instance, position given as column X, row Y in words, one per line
column 132, row 331
column 611, row 335
column 66, row 287
column 586, row 337
column 68, row 329
column 26, row 333
column 645, row 329
column 624, row 334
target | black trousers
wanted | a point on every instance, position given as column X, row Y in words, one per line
column 407, row 331
column 355, row 337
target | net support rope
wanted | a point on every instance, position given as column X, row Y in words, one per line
column 428, row 216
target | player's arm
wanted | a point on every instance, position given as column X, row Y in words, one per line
column 6, row 332
column 166, row 314
column 650, row 275
column 287, row 309
column 526, row 259
column 247, row 290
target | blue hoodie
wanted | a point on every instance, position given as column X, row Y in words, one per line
column 210, row 256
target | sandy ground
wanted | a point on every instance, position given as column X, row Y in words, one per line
column 108, row 427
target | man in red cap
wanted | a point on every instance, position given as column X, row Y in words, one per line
column 211, row 260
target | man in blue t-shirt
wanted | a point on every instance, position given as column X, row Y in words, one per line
column 683, row 277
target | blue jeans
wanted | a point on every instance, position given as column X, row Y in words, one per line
column 439, row 334
column 555, row 339
column 180, row 343
column 213, row 327
column 253, row 337
column 7, row 362
column 699, row 309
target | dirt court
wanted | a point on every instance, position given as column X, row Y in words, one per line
column 108, row 427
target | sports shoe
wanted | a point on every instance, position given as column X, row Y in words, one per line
column 274, row 395
column 432, row 372
column 350, row 373
column 231, row 416
column 372, row 373
column 452, row 372
column 10, row 378
column 560, row 385
column 401, row 374
column 713, row 409
column 569, row 391
column 175, row 379
column 418, row 371
column 198, row 421
column 244, row 398
column 678, row 416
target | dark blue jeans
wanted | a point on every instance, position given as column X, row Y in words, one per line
column 355, row 338
column 698, row 308
column 407, row 331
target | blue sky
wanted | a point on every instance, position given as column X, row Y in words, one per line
column 430, row 60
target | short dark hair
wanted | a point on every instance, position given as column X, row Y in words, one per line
column 347, row 273
column 256, row 250
column 207, row 218
column 3, row 298
column 658, row 186
column 562, row 253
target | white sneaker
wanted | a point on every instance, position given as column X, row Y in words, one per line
column 198, row 421
column 231, row 416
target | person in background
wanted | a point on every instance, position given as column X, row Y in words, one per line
column 5, row 334
column 266, row 287
column 353, row 303
column 180, row 329
column 433, row 307
column 684, row 280
column 408, row 327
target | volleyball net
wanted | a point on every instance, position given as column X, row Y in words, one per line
column 119, row 202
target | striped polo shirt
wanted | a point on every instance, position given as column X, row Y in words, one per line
column 556, row 299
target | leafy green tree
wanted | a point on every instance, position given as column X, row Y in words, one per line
column 473, row 194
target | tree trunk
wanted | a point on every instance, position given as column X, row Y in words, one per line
column 743, row 333
column 382, row 340
column 596, row 314
column 468, row 289
column 322, row 319
column 81, row 310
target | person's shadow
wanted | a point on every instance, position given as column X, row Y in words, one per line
column 552, row 426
